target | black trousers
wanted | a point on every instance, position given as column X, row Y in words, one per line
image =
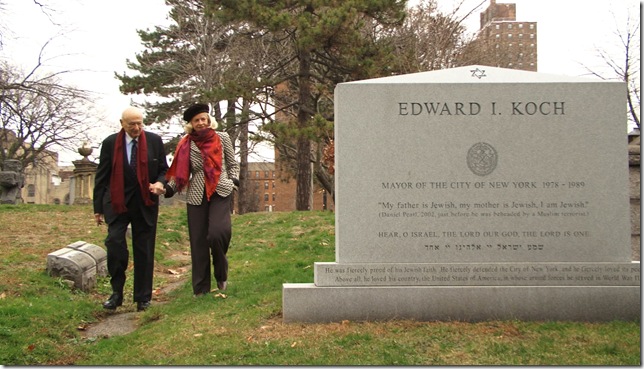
column 143, row 244
column 210, row 231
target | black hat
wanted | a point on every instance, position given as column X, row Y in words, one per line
column 194, row 110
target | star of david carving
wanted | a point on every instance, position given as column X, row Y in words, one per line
column 478, row 73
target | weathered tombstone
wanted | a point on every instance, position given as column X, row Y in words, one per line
column 11, row 181
column 635, row 173
column 477, row 193
column 95, row 252
column 79, row 262
column 74, row 266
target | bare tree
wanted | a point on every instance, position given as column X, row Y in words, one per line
column 39, row 115
column 431, row 39
column 625, row 68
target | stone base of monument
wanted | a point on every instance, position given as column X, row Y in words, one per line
column 466, row 292
column 82, row 201
column 79, row 262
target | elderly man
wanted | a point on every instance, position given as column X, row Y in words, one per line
column 129, row 178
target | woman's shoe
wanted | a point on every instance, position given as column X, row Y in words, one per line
column 222, row 285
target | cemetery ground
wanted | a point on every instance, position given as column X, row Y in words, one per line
column 43, row 321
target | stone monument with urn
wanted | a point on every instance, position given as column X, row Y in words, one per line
column 82, row 186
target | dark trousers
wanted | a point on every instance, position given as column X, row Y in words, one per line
column 143, row 240
column 210, row 230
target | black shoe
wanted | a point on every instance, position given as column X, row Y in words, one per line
column 113, row 302
column 142, row 305
column 222, row 285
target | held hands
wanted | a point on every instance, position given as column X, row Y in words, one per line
column 157, row 188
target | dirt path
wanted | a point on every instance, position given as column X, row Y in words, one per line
column 125, row 319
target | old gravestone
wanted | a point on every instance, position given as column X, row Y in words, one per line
column 80, row 263
column 477, row 193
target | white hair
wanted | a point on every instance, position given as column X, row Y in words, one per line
column 213, row 124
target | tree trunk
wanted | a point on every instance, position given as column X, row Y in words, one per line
column 243, row 193
column 303, row 176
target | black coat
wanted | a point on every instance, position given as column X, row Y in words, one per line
column 157, row 167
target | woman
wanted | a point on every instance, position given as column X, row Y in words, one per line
column 204, row 161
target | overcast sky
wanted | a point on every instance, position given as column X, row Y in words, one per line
column 95, row 37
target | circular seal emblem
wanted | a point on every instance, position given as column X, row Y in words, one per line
column 482, row 159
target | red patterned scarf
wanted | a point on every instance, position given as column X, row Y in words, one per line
column 209, row 144
column 116, row 180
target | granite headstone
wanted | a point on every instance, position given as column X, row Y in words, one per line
column 476, row 193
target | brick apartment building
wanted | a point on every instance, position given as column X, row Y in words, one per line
column 513, row 44
column 273, row 189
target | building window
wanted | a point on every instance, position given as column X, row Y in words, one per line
column 509, row 25
column 520, row 35
column 509, row 35
column 31, row 190
column 498, row 36
column 265, row 197
column 273, row 174
column 532, row 26
column 266, row 185
column 273, row 184
column 520, row 25
column 532, row 35
column 266, row 174
column 498, row 26
column 257, row 174
column 273, row 196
